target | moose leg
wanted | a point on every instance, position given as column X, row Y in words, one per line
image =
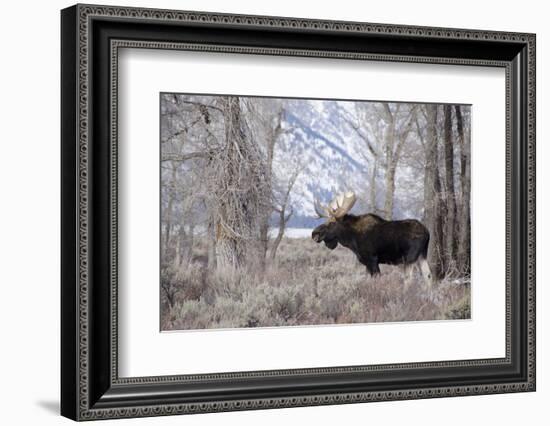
column 372, row 267
column 426, row 272
column 408, row 270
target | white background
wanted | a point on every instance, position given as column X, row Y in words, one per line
column 140, row 343
column 29, row 225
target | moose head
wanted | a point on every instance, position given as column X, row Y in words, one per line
column 333, row 229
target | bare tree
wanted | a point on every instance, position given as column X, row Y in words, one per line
column 284, row 211
column 238, row 189
column 360, row 122
column 187, row 155
column 398, row 125
column 267, row 116
column 450, row 224
column 463, row 255
column 168, row 212
column 384, row 128
column 432, row 193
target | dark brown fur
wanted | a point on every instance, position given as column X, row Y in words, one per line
column 375, row 240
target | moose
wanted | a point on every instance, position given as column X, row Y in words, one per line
column 373, row 239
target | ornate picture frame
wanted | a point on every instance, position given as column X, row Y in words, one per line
column 91, row 37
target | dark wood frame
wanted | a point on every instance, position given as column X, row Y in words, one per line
column 91, row 37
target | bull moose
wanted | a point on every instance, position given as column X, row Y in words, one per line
column 373, row 239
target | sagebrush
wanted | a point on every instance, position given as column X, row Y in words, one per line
column 306, row 285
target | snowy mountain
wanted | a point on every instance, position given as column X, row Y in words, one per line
column 320, row 140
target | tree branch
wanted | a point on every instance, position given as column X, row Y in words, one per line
column 188, row 156
column 199, row 104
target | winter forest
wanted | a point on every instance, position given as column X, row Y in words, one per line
column 240, row 177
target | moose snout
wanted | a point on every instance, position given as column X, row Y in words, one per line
column 316, row 236
column 319, row 234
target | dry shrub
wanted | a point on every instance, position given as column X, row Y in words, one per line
column 308, row 284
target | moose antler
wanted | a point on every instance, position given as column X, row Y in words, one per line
column 342, row 204
column 322, row 211
column 338, row 207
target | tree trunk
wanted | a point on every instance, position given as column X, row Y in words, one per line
column 373, row 207
column 211, row 245
column 283, row 220
column 264, row 221
column 391, row 163
column 390, row 190
column 283, row 217
column 440, row 224
column 239, row 185
column 180, row 252
column 432, row 194
column 394, row 144
column 168, row 218
column 190, row 241
column 273, row 134
column 464, row 230
column 450, row 225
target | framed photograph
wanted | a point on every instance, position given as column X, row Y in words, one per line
column 263, row 212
